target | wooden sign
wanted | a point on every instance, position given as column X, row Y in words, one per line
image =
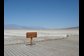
column 31, row 35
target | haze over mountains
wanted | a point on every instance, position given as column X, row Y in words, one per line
column 14, row 26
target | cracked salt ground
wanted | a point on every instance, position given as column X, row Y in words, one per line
column 63, row 47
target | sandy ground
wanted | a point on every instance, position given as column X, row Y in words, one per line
column 53, row 43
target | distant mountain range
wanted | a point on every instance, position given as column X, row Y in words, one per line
column 73, row 28
column 14, row 26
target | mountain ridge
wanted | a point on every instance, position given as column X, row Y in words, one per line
column 14, row 26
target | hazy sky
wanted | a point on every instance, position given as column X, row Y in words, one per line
column 42, row 13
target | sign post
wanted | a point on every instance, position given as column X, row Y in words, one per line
column 31, row 35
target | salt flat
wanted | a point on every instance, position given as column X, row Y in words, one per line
column 55, row 43
column 63, row 47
